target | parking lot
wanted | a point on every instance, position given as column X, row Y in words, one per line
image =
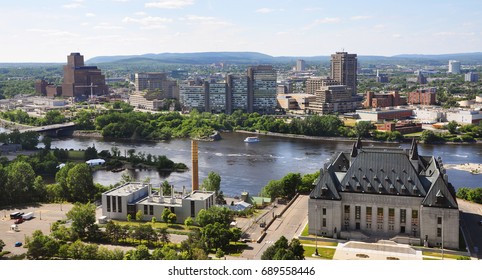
column 44, row 216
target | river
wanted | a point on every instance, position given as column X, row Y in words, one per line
column 249, row 167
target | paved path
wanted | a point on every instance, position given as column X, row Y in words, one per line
column 289, row 225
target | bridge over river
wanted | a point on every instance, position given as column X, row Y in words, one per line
column 53, row 130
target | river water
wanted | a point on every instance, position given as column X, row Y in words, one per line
column 249, row 167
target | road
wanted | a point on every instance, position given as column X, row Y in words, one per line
column 470, row 216
column 289, row 225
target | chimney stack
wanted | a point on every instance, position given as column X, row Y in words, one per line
column 195, row 165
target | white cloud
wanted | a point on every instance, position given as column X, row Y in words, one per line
column 379, row 26
column 140, row 14
column 322, row 21
column 169, row 4
column 264, row 11
column 149, row 22
column 397, row 35
column 74, row 5
column 52, row 32
column 90, row 15
column 204, row 20
column 360, row 17
column 107, row 26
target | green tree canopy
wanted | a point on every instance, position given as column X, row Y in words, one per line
column 83, row 218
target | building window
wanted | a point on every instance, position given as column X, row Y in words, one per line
column 439, row 220
column 439, row 232
column 172, row 210
column 403, row 216
column 193, row 209
column 151, row 209
column 145, row 209
column 368, row 215
column 108, row 203
column 114, row 206
column 391, row 216
column 357, row 212
column 415, row 217
column 119, row 204
column 347, row 209
column 324, row 222
column 324, row 211
column 379, row 215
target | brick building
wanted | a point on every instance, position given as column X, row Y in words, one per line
column 424, row 96
column 380, row 100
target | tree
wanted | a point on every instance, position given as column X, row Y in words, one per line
column 80, row 183
column 212, row 182
column 362, row 128
column 273, row 189
column 163, row 235
column 290, row 184
column 452, row 127
column 165, row 214
column 20, row 181
column 47, row 142
column 2, row 245
column 90, row 153
column 172, row 218
column 219, row 253
column 140, row 253
column 282, row 250
column 83, row 218
column 166, row 188
column 188, row 222
column 139, row 215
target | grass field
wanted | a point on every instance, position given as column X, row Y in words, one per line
column 76, row 155
column 175, row 228
column 439, row 255
column 320, row 243
column 325, row 253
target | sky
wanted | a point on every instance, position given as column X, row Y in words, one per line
column 47, row 31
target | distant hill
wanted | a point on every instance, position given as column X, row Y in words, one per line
column 260, row 58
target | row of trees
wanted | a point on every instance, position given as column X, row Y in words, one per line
column 470, row 194
column 282, row 250
column 289, row 185
column 19, row 116
column 141, row 125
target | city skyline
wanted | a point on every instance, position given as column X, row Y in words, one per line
column 48, row 31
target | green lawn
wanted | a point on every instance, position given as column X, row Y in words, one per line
column 325, row 253
column 175, row 228
column 76, row 155
column 305, row 231
column 416, row 134
column 439, row 255
column 320, row 243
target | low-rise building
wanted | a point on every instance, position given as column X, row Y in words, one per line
column 464, row 116
column 381, row 114
column 424, row 96
column 130, row 198
column 380, row 100
column 140, row 101
column 404, row 127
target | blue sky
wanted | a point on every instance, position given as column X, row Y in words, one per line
column 47, row 31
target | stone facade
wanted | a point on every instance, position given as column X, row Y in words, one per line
column 385, row 193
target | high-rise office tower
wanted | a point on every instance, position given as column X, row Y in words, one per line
column 262, row 89
column 454, row 67
column 344, row 70
column 237, row 93
column 300, row 65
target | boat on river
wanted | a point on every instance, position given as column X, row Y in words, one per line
column 251, row 139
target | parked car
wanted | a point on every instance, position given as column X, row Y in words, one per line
column 19, row 220
column 18, row 244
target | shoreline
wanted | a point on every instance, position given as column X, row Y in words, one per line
column 97, row 134
column 473, row 168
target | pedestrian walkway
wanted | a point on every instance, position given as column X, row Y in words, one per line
column 382, row 250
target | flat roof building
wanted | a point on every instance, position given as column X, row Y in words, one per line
column 130, row 198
